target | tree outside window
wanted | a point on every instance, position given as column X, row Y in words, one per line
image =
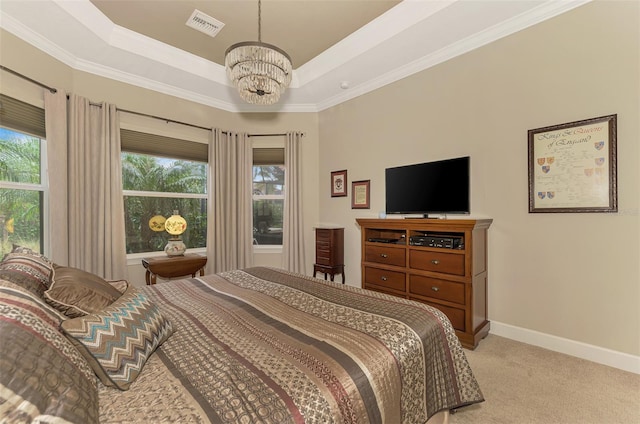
column 22, row 191
column 158, row 186
column 268, row 204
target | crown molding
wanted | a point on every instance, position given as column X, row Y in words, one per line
column 148, row 63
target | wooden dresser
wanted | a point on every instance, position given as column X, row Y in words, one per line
column 441, row 262
column 329, row 252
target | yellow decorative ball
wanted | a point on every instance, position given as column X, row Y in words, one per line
column 175, row 225
column 156, row 223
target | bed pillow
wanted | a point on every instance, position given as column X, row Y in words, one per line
column 43, row 377
column 28, row 269
column 118, row 340
column 120, row 285
column 76, row 293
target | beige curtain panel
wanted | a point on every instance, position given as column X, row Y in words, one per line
column 230, row 217
column 95, row 202
column 293, row 253
column 55, row 113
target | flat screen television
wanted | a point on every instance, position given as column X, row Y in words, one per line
column 439, row 187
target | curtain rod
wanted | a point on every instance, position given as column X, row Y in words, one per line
column 39, row 84
column 53, row 90
column 192, row 125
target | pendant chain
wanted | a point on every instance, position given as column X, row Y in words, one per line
column 260, row 21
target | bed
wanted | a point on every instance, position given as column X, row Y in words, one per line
column 257, row 345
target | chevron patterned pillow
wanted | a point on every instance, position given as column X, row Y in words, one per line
column 118, row 340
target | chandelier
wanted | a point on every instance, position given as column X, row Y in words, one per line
column 260, row 71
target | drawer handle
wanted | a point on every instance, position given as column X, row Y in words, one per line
column 435, row 261
column 383, row 278
column 384, row 255
column 435, row 289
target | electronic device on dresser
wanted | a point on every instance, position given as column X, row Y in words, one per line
column 441, row 241
column 438, row 187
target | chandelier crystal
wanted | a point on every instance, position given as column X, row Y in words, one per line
column 261, row 72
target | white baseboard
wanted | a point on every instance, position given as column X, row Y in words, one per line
column 600, row 355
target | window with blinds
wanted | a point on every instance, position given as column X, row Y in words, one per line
column 158, row 145
column 22, row 117
column 161, row 175
column 268, row 196
column 23, row 177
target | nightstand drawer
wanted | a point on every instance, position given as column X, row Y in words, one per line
column 385, row 255
column 384, row 278
column 448, row 263
column 439, row 289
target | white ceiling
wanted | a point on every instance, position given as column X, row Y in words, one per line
column 340, row 48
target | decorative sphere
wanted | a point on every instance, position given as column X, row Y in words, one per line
column 175, row 225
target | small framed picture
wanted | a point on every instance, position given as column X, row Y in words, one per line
column 339, row 183
column 360, row 194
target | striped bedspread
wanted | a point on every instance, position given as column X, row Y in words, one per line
column 263, row 345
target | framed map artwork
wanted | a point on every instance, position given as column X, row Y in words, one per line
column 572, row 167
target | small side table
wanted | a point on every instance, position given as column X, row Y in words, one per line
column 173, row 266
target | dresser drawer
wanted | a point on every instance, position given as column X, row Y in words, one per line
column 455, row 315
column 323, row 234
column 329, row 246
column 323, row 244
column 384, row 278
column 385, row 255
column 448, row 263
column 439, row 289
column 323, row 257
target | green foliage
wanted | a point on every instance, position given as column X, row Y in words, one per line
column 19, row 158
column 20, row 164
column 153, row 174
column 268, row 179
column 268, row 214
column 21, row 207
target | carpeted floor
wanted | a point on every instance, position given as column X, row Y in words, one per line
column 524, row 384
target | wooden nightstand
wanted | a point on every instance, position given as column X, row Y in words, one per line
column 176, row 266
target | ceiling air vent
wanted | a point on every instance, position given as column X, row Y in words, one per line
column 204, row 23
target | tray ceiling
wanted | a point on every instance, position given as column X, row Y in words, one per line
column 340, row 49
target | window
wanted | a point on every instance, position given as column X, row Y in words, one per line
column 23, row 177
column 22, row 190
column 159, row 184
column 268, row 196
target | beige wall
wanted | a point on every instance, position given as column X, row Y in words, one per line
column 576, row 276
column 23, row 58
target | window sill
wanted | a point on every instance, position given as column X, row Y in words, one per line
column 262, row 249
column 136, row 258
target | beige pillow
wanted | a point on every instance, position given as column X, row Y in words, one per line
column 76, row 293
